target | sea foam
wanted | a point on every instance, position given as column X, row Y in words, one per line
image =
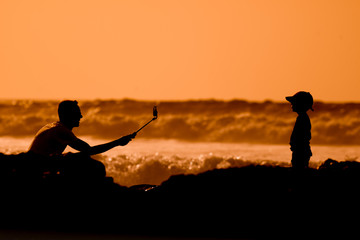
column 154, row 169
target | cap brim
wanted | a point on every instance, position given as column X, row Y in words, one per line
column 290, row 99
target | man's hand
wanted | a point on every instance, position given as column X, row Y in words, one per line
column 126, row 139
column 133, row 135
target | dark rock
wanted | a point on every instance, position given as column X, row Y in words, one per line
column 73, row 194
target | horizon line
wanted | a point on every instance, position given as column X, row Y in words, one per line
column 171, row 100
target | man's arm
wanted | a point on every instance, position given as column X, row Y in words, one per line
column 85, row 148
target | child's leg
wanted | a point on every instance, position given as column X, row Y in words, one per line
column 300, row 160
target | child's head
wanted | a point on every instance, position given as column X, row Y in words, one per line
column 301, row 101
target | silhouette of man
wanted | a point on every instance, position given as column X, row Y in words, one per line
column 301, row 102
column 53, row 138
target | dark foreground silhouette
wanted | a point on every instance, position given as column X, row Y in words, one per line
column 247, row 202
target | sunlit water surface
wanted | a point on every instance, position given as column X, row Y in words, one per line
column 152, row 161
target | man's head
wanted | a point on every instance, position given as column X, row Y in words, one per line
column 301, row 101
column 69, row 113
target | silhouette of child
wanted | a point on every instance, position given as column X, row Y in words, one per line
column 301, row 102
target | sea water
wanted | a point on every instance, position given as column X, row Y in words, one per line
column 236, row 121
column 152, row 161
column 189, row 137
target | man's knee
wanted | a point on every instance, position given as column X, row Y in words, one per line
column 99, row 168
column 84, row 166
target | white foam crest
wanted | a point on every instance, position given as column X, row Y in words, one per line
column 128, row 170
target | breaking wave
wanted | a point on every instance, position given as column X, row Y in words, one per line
column 154, row 169
column 206, row 120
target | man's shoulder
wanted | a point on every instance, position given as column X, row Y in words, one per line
column 58, row 130
column 54, row 127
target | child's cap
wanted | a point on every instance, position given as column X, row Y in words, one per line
column 302, row 97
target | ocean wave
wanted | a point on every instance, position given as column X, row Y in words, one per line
column 129, row 170
column 207, row 120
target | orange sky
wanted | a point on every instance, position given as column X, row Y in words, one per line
column 185, row 49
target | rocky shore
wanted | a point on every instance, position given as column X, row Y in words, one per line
column 247, row 202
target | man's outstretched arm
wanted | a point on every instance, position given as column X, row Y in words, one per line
column 85, row 148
